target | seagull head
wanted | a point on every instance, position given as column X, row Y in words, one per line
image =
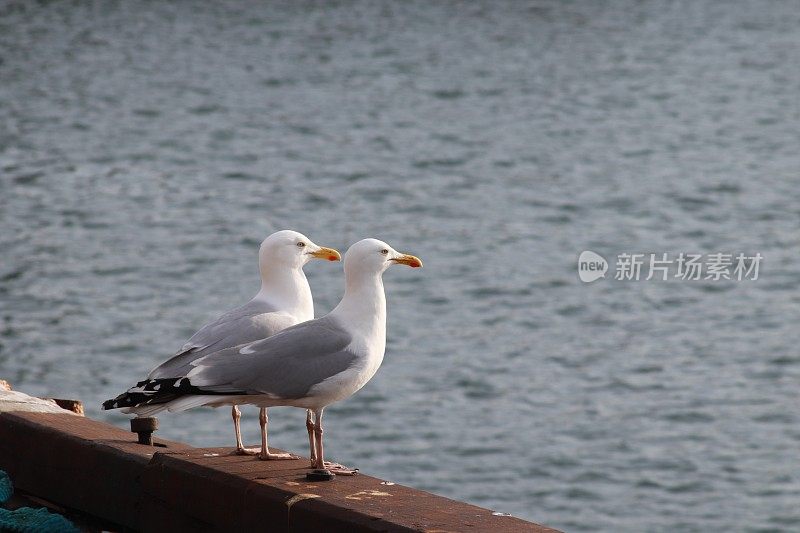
column 374, row 256
column 291, row 249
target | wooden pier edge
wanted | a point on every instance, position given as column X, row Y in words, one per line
column 100, row 471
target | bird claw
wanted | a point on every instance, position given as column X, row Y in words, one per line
column 275, row 456
column 338, row 469
column 342, row 470
column 246, row 451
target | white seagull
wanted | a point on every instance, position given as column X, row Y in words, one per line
column 310, row 365
column 284, row 300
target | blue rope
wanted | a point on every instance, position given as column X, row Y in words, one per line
column 6, row 488
column 28, row 519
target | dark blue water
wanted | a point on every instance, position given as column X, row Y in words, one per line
column 147, row 148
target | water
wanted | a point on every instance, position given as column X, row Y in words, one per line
column 146, row 149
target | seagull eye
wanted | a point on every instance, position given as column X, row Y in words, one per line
column 301, row 244
column 385, row 251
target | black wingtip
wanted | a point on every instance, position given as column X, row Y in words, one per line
column 123, row 400
column 109, row 404
column 157, row 391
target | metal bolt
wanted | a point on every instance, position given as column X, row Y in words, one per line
column 320, row 475
column 144, row 428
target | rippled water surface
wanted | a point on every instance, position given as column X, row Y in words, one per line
column 147, row 148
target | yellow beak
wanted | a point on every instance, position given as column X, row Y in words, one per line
column 410, row 260
column 326, row 253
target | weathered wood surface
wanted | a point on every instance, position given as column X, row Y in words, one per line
column 100, row 470
column 11, row 400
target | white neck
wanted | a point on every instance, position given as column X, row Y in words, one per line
column 363, row 308
column 288, row 290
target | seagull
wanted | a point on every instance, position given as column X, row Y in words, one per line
column 284, row 300
column 310, row 365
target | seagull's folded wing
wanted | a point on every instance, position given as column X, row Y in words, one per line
column 253, row 321
column 285, row 365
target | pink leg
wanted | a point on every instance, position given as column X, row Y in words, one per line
column 240, row 449
column 336, row 468
column 265, row 454
column 311, row 441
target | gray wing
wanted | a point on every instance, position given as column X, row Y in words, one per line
column 285, row 365
column 250, row 322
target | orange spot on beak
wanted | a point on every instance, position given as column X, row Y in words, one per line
column 409, row 260
column 327, row 253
